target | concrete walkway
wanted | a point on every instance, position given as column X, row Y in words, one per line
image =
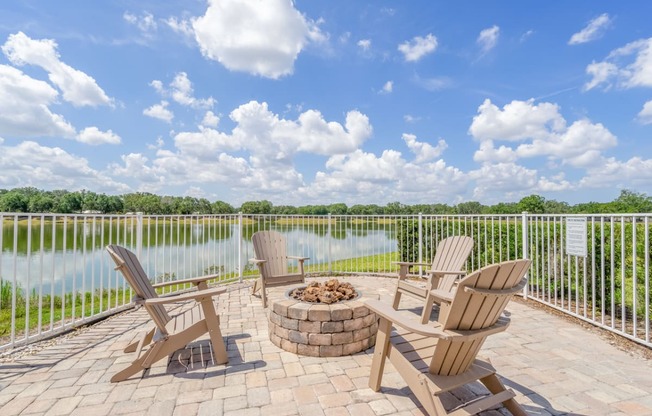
column 556, row 367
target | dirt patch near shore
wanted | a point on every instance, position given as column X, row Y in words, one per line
column 631, row 347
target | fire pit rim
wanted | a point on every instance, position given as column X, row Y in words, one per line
column 287, row 296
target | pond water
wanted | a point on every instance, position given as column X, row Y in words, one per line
column 71, row 257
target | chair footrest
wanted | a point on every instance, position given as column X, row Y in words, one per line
column 484, row 403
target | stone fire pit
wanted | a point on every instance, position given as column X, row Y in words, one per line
column 321, row 330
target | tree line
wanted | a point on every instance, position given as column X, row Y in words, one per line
column 32, row 200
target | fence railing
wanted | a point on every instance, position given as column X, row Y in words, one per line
column 55, row 274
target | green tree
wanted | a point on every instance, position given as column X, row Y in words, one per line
column 470, row 207
column 256, row 207
column 338, row 209
column 13, row 201
column 533, row 204
column 632, row 202
column 221, row 207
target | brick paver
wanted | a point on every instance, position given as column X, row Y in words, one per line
column 554, row 366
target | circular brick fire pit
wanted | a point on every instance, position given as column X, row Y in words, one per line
column 320, row 330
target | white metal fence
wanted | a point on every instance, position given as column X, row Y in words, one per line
column 55, row 274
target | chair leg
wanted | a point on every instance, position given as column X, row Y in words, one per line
column 256, row 287
column 380, row 354
column 144, row 340
column 494, row 385
column 427, row 309
column 214, row 331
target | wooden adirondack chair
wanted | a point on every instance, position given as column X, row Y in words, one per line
column 272, row 261
column 170, row 333
column 446, row 269
column 436, row 358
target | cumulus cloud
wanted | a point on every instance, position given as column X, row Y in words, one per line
column 271, row 142
column 516, row 121
column 261, row 38
column 210, row 120
column 181, row 26
column 626, row 67
column 30, row 164
column 77, row 87
column 94, row 136
column 24, row 107
column 160, row 111
column 424, row 152
column 418, row 47
column 387, row 88
column 541, row 131
column 181, row 91
column 645, row 116
column 488, row 38
column 594, row 30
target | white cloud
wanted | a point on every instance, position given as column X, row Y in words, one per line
column 434, row 84
column 210, row 120
column 505, row 179
column 418, row 47
column 542, row 131
column 516, row 121
column 181, row 91
column 181, row 26
column 593, row 30
column 24, row 107
column 271, row 143
column 424, row 151
column 145, row 23
column 525, row 36
column 408, row 118
column 388, row 87
column 616, row 70
column 613, row 173
column 77, row 87
column 160, row 111
column 384, row 178
column 261, row 38
column 645, row 116
column 93, row 136
column 488, row 38
column 364, row 44
column 30, row 164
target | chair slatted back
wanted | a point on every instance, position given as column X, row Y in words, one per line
column 130, row 267
column 471, row 310
column 271, row 246
column 451, row 254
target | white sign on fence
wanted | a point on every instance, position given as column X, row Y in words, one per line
column 576, row 236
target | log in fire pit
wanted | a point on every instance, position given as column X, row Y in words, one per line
column 330, row 292
column 322, row 320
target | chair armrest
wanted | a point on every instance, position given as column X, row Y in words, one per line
column 184, row 296
column 299, row 258
column 435, row 331
column 410, row 264
column 442, row 272
column 194, row 280
column 257, row 261
column 386, row 311
column 442, row 295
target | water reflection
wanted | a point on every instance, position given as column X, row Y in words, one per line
column 69, row 256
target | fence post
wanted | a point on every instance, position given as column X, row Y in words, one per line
column 420, row 244
column 139, row 234
column 524, row 225
column 330, row 264
column 240, row 242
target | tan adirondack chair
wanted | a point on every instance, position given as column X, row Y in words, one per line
column 170, row 333
column 446, row 269
column 438, row 357
column 270, row 250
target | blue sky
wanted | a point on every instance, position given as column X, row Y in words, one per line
column 323, row 101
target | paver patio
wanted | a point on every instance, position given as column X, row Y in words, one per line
column 555, row 367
